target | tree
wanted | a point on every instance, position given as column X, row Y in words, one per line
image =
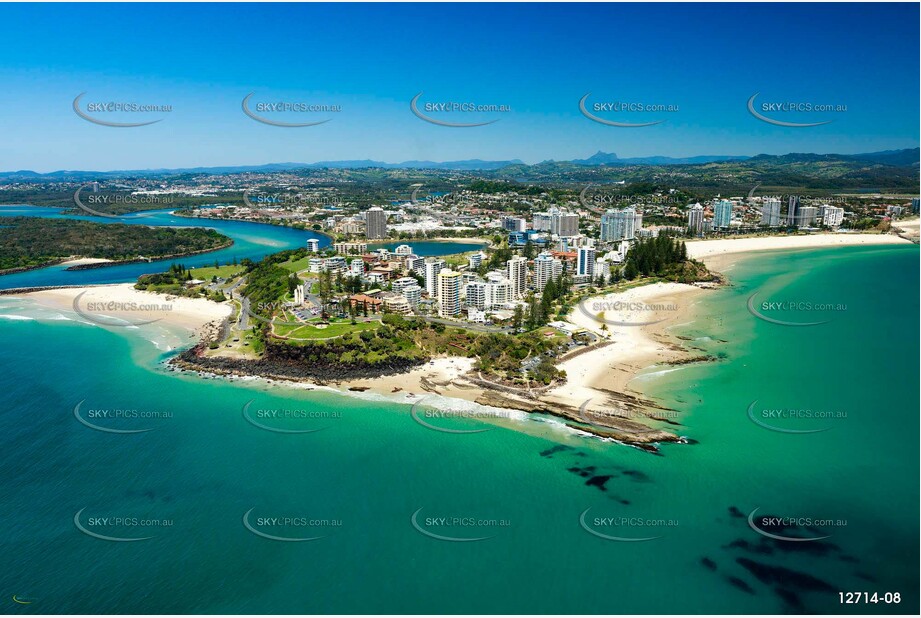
column 532, row 318
column 325, row 290
column 528, row 250
column 630, row 271
column 546, row 303
column 517, row 317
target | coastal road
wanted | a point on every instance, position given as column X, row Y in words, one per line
column 243, row 318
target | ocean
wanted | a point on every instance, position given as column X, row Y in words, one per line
column 209, row 508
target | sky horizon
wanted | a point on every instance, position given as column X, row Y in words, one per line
column 699, row 64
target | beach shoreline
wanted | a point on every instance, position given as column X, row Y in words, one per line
column 632, row 329
column 719, row 253
column 589, row 401
column 120, row 304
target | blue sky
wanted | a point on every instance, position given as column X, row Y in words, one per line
column 538, row 59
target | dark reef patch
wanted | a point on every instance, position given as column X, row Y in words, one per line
column 782, row 576
column 553, row 450
column 637, row 476
column 790, row 598
column 599, row 481
column 739, row 583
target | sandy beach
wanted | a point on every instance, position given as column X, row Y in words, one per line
column 910, row 228
column 631, row 327
column 121, row 305
column 714, row 253
column 599, row 374
column 628, row 348
column 84, row 260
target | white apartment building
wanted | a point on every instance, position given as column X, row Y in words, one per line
column 431, row 276
column 498, row 293
column 585, row 261
column 402, row 283
column 414, row 263
column 540, row 222
column 832, row 216
column 722, row 214
column 619, row 224
column 770, row 212
column 516, row 270
column 413, row 294
column 449, row 293
column 475, row 293
column 474, row 261
column 546, row 267
column 564, row 223
column 514, row 224
column 696, row 218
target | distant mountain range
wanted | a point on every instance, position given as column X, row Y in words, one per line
column 609, row 158
column 900, row 158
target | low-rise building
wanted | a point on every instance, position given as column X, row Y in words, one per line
column 397, row 303
column 350, row 248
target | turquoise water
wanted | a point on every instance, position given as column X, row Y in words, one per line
column 251, row 240
column 358, row 480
